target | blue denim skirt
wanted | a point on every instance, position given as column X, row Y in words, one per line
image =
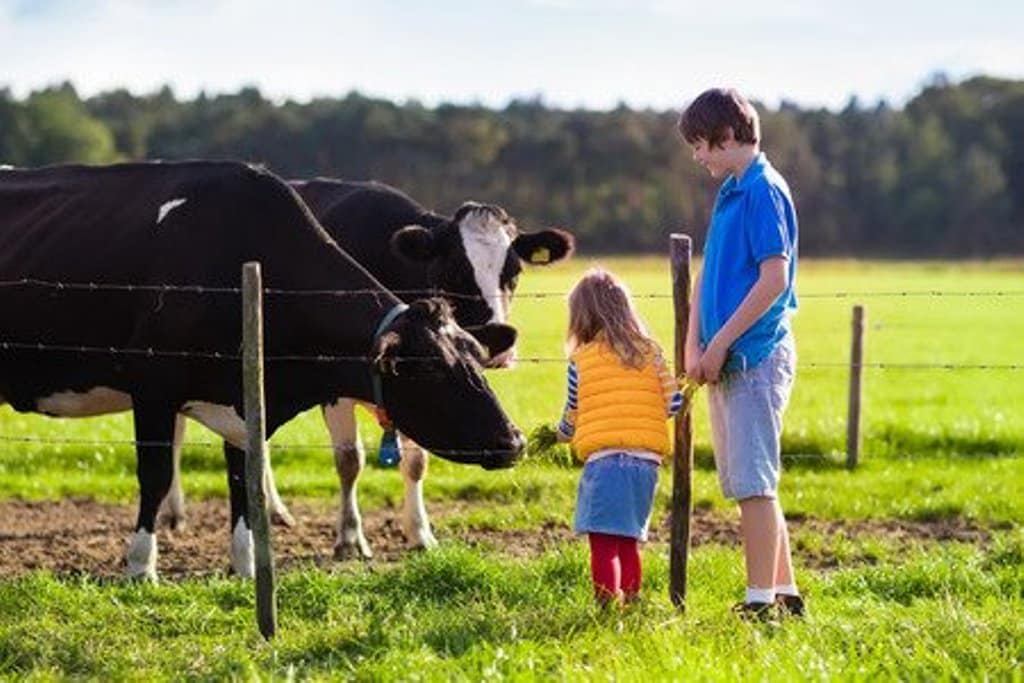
column 615, row 496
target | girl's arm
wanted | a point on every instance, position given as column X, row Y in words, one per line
column 567, row 425
column 669, row 387
column 771, row 282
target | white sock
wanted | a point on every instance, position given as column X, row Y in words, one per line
column 760, row 594
column 787, row 589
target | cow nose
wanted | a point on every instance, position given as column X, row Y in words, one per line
column 509, row 455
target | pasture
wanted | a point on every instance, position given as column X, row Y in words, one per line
column 913, row 563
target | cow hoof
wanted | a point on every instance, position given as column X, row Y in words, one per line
column 140, row 558
column 174, row 522
column 281, row 517
column 145, row 577
column 244, row 570
column 422, row 539
column 357, row 549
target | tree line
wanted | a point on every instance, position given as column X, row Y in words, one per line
column 943, row 176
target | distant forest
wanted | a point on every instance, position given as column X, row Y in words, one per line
column 943, row 176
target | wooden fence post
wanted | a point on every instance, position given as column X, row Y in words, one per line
column 682, row 452
column 856, row 373
column 256, row 446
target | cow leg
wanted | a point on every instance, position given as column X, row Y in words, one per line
column 154, row 432
column 414, row 514
column 172, row 510
column 349, row 460
column 279, row 513
column 243, row 562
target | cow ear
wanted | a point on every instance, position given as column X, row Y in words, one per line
column 415, row 243
column 387, row 345
column 544, row 246
column 495, row 337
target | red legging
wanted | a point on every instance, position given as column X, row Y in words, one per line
column 614, row 565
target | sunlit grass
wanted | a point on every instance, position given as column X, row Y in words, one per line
column 939, row 445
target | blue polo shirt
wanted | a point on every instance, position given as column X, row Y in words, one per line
column 753, row 219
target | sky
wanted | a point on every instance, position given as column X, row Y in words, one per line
column 594, row 54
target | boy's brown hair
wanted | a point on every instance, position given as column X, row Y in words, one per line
column 714, row 112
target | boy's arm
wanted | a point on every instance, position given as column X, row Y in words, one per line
column 771, row 282
column 691, row 359
column 567, row 425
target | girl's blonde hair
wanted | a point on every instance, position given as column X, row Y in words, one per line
column 600, row 306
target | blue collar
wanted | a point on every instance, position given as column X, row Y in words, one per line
column 754, row 171
column 389, row 318
column 378, row 385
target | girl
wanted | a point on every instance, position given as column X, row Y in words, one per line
column 620, row 394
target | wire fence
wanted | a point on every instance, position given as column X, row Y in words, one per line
column 342, row 293
column 235, row 356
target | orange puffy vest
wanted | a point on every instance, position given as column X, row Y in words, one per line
column 617, row 406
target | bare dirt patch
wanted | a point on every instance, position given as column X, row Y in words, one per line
column 83, row 537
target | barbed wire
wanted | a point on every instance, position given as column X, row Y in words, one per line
column 278, row 447
column 273, row 291
column 64, row 441
column 537, row 360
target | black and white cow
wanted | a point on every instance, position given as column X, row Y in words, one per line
column 196, row 223
column 473, row 258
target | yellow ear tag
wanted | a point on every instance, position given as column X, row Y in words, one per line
column 540, row 255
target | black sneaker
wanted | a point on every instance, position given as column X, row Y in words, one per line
column 790, row 605
column 756, row 611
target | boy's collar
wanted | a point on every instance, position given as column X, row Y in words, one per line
column 753, row 171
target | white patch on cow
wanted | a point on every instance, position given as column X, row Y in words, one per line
column 141, row 556
column 415, row 523
column 224, row 420
column 96, row 401
column 167, row 207
column 487, row 243
column 243, row 560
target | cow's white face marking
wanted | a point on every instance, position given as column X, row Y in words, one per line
column 167, row 207
column 487, row 242
column 96, row 401
column 222, row 419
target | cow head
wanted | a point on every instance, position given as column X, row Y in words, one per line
column 474, row 259
column 433, row 389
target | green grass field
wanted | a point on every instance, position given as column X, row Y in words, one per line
column 940, row 446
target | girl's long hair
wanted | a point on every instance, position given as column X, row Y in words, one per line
column 600, row 306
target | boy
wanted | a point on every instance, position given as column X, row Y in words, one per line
column 739, row 340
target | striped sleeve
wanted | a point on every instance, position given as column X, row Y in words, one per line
column 669, row 387
column 567, row 425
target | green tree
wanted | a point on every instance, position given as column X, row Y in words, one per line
column 60, row 129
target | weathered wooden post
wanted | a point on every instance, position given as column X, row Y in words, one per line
column 256, row 453
column 682, row 452
column 856, row 373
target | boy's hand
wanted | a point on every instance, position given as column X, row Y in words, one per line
column 712, row 361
